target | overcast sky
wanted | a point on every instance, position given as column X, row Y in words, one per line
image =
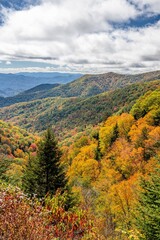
column 80, row 35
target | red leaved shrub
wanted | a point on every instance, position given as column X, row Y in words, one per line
column 22, row 218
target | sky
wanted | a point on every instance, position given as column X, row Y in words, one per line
column 86, row 36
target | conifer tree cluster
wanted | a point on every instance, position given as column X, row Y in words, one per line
column 44, row 174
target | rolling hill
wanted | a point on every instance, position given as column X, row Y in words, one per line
column 86, row 86
column 65, row 114
column 90, row 85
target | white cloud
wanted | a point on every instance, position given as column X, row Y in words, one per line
column 79, row 36
column 8, row 63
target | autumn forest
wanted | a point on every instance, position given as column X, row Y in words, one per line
column 82, row 164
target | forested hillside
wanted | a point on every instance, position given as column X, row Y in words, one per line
column 64, row 114
column 108, row 169
column 90, row 85
column 105, row 165
column 86, row 86
column 15, row 147
column 79, row 120
column 28, row 95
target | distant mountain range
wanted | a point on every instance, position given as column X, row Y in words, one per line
column 12, row 84
column 85, row 86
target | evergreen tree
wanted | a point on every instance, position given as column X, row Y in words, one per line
column 115, row 134
column 45, row 174
column 148, row 220
column 29, row 180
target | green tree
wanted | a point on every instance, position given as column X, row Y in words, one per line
column 4, row 166
column 45, row 174
column 148, row 220
column 115, row 134
column 30, row 176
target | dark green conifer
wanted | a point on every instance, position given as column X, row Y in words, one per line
column 148, row 220
column 29, row 180
column 45, row 174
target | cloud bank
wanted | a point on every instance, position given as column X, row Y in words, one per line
column 83, row 36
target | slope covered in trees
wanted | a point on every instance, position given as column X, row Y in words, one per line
column 40, row 88
column 16, row 145
column 88, row 85
column 28, row 95
column 105, row 169
column 68, row 113
column 50, row 217
column 107, row 166
column 14, row 140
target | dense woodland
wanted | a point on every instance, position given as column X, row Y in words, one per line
column 66, row 114
column 107, row 158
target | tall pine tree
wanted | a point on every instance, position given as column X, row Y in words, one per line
column 44, row 175
column 148, row 218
